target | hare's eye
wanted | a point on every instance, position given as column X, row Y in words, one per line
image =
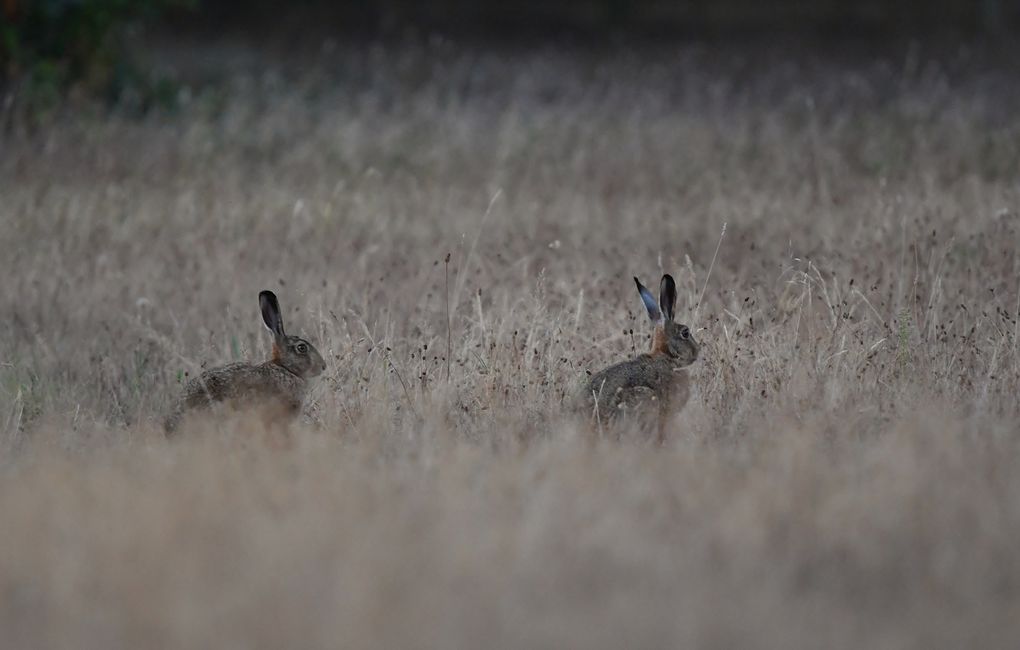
column 685, row 333
column 302, row 348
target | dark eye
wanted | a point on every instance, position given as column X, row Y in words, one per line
column 684, row 332
column 302, row 348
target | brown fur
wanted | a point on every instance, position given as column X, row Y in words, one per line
column 659, row 345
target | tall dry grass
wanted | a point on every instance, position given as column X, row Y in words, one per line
column 846, row 474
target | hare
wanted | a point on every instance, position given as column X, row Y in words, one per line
column 653, row 384
column 279, row 383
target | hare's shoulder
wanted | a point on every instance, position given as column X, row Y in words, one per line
column 279, row 377
column 266, row 376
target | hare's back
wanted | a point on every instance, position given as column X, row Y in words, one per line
column 629, row 385
column 269, row 388
column 614, row 383
column 638, row 372
column 241, row 381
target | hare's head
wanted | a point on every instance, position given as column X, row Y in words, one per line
column 670, row 338
column 292, row 352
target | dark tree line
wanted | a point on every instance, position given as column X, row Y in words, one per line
column 49, row 46
column 672, row 16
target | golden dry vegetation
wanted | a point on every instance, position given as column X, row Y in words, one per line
column 846, row 475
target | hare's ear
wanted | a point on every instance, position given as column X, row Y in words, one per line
column 649, row 300
column 667, row 296
column 271, row 313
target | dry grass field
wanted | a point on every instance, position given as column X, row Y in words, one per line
column 846, row 474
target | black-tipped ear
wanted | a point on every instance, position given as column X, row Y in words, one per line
column 649, row 300
column 271, row 313
column 667, row 296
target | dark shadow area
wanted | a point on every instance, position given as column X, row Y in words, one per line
column 529, row 19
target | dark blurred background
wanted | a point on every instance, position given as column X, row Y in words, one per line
column 51, row 50
column 638, row 17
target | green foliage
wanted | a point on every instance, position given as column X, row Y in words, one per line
column 50, row 47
